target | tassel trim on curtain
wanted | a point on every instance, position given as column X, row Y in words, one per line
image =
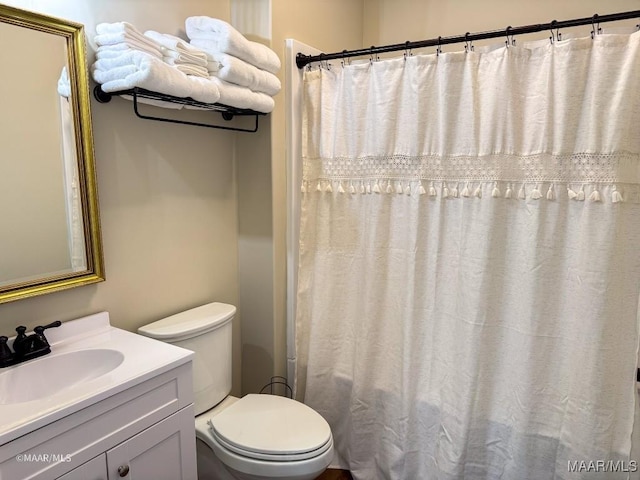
column 579, row 193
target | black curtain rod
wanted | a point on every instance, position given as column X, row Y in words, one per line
column 303, row 60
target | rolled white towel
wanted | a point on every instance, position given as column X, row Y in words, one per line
column 185, row 58
column 219, row 36
column 234, row 70
column 177, row 44
column 242, row 97
column 155, row 75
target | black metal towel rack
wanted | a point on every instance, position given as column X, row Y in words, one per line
column 137, row 93
column 553, row 26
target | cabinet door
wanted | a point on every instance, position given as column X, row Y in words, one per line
column 164, row 451
column 95, row 469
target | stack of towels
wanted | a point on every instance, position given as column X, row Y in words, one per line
column 244, row 71
column 178, row 53
column 126, row 59
column 219, row 65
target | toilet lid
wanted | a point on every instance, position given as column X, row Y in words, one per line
column 270, row 424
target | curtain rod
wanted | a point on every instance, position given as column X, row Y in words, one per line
column 303, row 60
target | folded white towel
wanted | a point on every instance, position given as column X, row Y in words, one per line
column 196, row 70
column 126, row 57
column 132, row 44
column 185, row 58
column 242, row 97
column 117, row 27
column 222, row 37
column 177, row 44
column 101, row 53
column 116, row 73
column 234, row 70
column 123, row 47
column 155, row 75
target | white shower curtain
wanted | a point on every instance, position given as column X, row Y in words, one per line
column 469, row 261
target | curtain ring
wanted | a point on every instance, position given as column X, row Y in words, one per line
column 320, row 61
column 510, row 40
column 552, row 38
column 438, row 49
column 407, row 50
column 371, row 58
column 468, row 47
column 595, row 25
column 344, row 59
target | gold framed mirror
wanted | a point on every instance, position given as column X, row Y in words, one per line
column 50, row 236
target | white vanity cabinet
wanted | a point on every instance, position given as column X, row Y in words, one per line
column 143, row 432
column 159, row 452
column 95, row 469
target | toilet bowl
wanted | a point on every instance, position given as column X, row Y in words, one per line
column 255, row 437
column 291, row 441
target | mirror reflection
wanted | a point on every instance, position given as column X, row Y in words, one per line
column 49, row 231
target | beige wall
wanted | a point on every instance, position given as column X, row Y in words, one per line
column 396, row 21
column 328, row 25
column 168, row 198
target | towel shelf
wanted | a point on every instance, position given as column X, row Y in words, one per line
column 137, row 93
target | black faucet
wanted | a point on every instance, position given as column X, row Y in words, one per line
column 25, row 347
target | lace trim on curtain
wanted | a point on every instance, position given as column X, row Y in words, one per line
column 513, row 176
column 571, row 168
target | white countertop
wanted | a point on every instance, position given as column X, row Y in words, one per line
column 144, row 358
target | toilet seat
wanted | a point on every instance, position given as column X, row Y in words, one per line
column 271, row 427
column 277, row 457
column 268, row 436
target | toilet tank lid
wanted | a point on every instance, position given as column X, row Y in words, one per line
column 190, row 322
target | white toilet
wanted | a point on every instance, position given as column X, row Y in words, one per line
column 254, row 437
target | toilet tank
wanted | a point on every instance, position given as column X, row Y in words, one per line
column 206, row 331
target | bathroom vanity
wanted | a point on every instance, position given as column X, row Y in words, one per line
column 105, row 404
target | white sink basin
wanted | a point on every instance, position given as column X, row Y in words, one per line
column 52, row 373
column 90, row 361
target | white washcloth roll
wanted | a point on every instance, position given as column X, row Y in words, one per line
column 242, row 97
column 122, row 47
column 177, row 44
column 185, row 58
column 226, row 39
column 155, row 75
column 234, row 70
